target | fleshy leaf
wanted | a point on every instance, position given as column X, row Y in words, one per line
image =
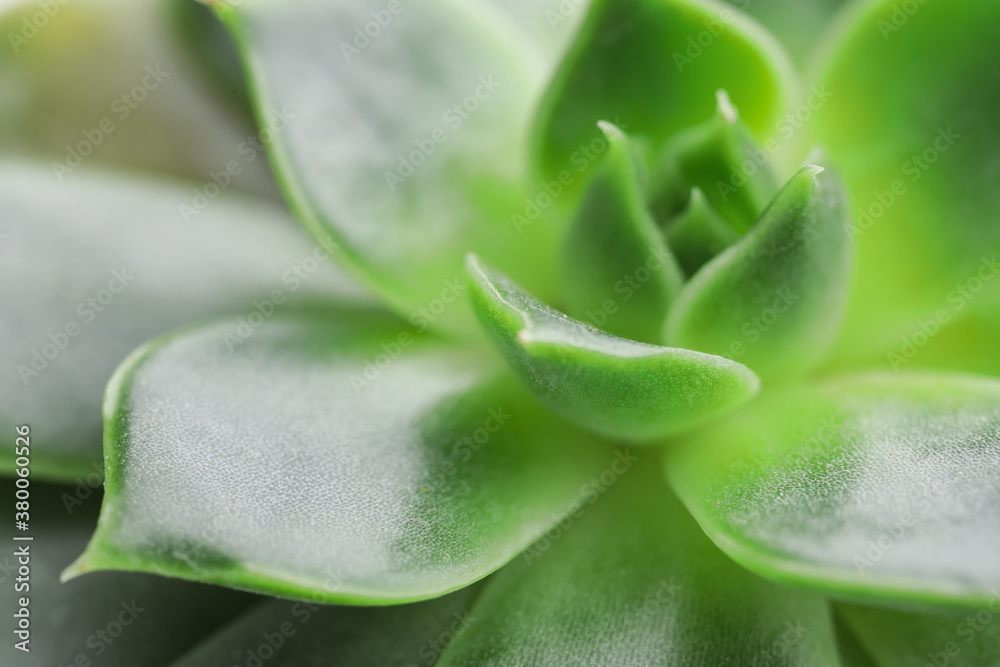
column 307, row 634
column 112, row 619
column 94, row 266
column 332, row 456
column 774, row 300
column 798, row 24
column 617, row 387
column 873, row 487
column 407, row 145
column 698, row 234
column 918, row 148
column 617, row 270
column 713, row 156
column 897, row 639
column 633, row 581
column 639, row 64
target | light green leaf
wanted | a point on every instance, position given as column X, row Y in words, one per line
column 899, row 639
column 652, row 67
column 109, row 81
column 798, row 24
column 631, row 580
column 914, row 130
column 713, row 156
column 112, row 619
column 332, row 456
column 94, row 266
column 873, row 487
column 774, row 300
column 290, row 634
column 617, row 270
column 614, row 386
column 697, row 234
column 407, row 146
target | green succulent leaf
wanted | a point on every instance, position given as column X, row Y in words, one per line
column 94, row 266
column 711, row 156
column 775, row 299
column 617, row 387
column 406, row 146
column 652, row 67
column 697, row 234
column 914, row 130
column 633, row 581
column 304, row 633
column 331, row 456
column 798, row 24
column 898, row 639
column 876, row 487
column 617, row 270
column 852, row 653
column 111, row 619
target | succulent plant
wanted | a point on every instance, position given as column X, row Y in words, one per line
column 625, row 332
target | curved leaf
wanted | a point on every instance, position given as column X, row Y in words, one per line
column 92, row 267
column 633, row 581
column 652, row 67
column 332, row 456
column 406, row 145
column 113, row 619
column 897, row 639
column 303, row 633
column 876, row 487
column 917, row 139
column 775, row 299
column 798, row 24
column 697, row 234
column 617, row 270
column 616, row 387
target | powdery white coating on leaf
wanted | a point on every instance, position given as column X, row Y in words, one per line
column 270, row 468
column 888, row 484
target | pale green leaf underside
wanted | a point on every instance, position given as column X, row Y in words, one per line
column 631, row 580
column 331, row 457
column 876, row 487
column 774, row 300
column 96, row 265
column 408, row 147
column 614, row 386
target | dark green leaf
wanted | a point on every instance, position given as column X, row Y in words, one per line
column 631, row 580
